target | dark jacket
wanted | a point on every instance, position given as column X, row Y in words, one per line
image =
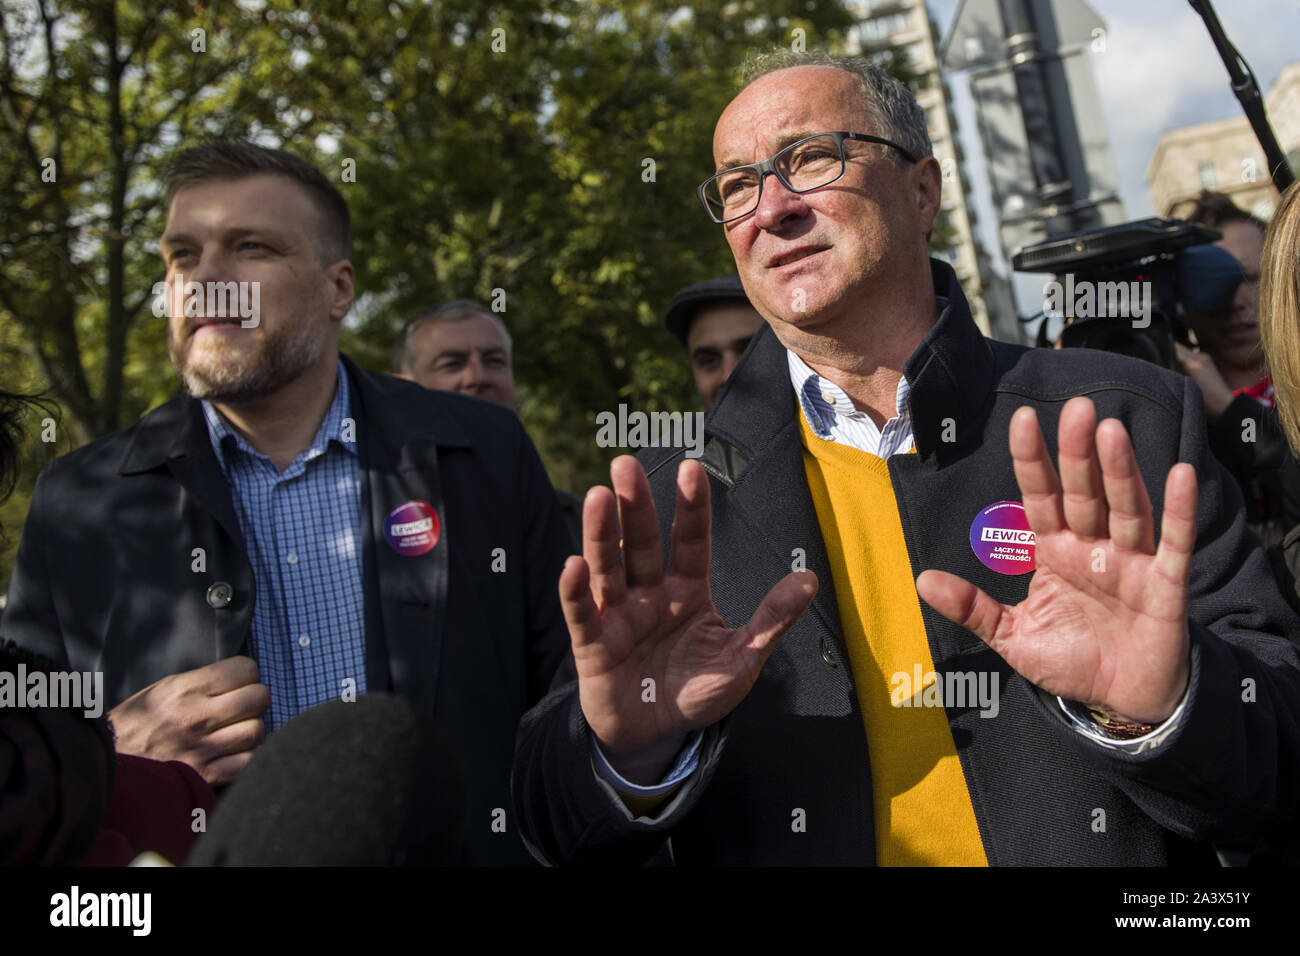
column 1248, row 440
column 797, row 741
column 104, row 578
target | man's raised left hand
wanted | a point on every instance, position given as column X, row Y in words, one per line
column 1114, row 638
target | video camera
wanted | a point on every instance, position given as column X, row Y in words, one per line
column 1123, row 288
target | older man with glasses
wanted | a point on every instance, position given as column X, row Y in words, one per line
column 903, row 622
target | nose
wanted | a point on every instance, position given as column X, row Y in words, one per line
column 190, row 278
column 1244, row 301
column 474, row 380
column 777, row 204
column 213, row 267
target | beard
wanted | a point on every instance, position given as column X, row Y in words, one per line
column 217, row 371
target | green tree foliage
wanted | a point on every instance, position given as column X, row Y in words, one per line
column 584, row 131
column 94, row 97
column 540, row 155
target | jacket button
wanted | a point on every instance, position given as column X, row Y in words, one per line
column 219, row 594
column 826, row 654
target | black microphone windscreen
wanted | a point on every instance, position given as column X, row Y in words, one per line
column 347, row 783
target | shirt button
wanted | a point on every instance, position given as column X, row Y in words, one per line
column 828, row 398
column 291, row 558
column 304, row 641
column 219, row 594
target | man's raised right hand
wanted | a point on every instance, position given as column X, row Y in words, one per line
column 209, row 718
column 631, row 622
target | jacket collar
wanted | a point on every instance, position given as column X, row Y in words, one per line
column 178, row 429
column 174, row 430
column 372, row 392
column 950, row 373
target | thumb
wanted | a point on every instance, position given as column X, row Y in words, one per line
column 781, row 607
column 962, row 603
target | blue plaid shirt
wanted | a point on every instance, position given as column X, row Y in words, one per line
column 302, row 532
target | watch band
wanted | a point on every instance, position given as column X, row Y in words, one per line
column 1121, row 728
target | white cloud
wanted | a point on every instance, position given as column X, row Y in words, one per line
column 1161, row 71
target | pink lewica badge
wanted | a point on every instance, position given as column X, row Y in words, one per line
column 412, row 528
column 1001, row 539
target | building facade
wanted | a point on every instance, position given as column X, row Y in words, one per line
column 901, row 32
column 1224, row 155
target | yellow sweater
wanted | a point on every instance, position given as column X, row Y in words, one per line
column 922, row 805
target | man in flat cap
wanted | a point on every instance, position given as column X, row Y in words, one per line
column 715, row 321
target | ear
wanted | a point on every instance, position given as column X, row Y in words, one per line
column 342, row 288
column 928, row 181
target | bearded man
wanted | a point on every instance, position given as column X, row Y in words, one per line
column 296, row 529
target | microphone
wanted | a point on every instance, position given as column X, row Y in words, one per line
column 348, row 783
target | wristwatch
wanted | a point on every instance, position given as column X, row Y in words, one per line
column 1120, row 728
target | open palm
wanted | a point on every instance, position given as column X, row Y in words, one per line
column 654, row 659
column 1105, row 619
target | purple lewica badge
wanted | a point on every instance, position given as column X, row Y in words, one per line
column 412, row 528
column 1001, row 539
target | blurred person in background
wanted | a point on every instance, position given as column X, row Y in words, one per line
column 1232, row 371
column 462, row 346
column 459, row 346
column 714, row 320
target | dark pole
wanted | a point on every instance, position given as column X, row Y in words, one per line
column 1247, row 90
column 1054, row 187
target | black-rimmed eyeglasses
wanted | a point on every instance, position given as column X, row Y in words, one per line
column 808, row 164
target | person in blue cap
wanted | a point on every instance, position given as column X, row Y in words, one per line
column 1224, row 309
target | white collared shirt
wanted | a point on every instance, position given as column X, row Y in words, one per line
column 833, row 416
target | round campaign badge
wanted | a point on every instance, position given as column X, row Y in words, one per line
column 1001, row 539
column 412, row 528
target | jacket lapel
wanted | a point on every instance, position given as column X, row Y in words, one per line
column 400, row 464
column 771, row 495
column 175, row 436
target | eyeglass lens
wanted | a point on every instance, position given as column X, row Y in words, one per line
column 804, row 166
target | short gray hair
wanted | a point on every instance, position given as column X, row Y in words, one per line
column 890, row 104
column 456, row 310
